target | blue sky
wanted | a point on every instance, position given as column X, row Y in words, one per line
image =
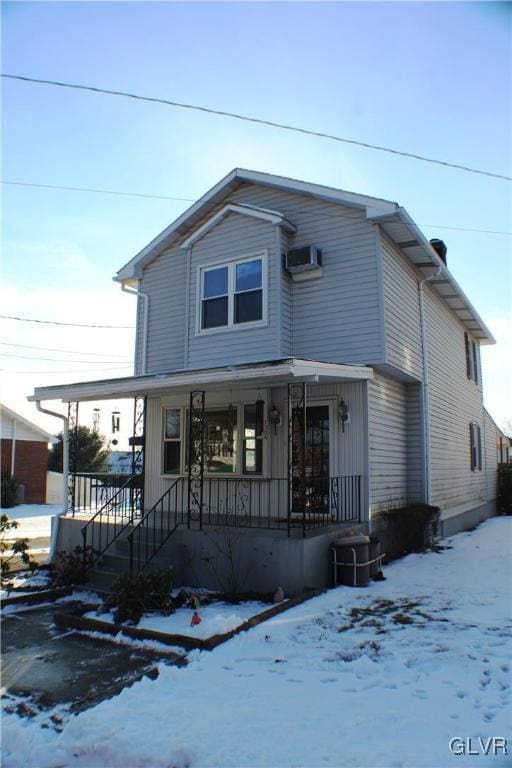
column 431, row 78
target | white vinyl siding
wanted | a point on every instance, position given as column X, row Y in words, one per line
column 335, row 318
column 349, row 448
column 402, row 314
column 232, row 239
column 164, row 281
column 388, row 443
column 491, row 440
column 454, row 403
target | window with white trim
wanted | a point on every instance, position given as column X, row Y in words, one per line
column 172, row 441
column 475, row 439
column 232, row 294
column 472, row 366
column 221, row 443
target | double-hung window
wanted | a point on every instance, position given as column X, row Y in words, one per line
column 232, row 294
column 475, row 439
column 471, row 358
column 222, row 453
column 172, row 441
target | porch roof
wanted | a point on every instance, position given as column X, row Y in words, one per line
column 270, row 373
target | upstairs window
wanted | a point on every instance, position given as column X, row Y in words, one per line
column 471, row 358
column 232, row 294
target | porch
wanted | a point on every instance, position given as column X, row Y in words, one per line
column 278, row 448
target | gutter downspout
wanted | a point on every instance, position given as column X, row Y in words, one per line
column 65, row 473
column 426, row 410
column 145, row 296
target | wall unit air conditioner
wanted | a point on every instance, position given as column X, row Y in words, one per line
column 304, row 262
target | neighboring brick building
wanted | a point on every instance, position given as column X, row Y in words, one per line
column 24, row 454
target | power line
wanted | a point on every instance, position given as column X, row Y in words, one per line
column 60, row 360
column 56, row 372
column 195, row 200
column 53, row 349
column 255, row 120
column 56, row 322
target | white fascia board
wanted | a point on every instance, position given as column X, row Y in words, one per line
column 133, row 268
column 351, row 199
column 270, row 374
column 47, row 438
column 263, row 214
column 438, row 263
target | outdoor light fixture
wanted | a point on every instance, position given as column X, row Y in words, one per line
column 274, row 416
column 342, row 412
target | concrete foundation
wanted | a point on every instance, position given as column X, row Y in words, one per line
column 239, row 559
column 463, row 520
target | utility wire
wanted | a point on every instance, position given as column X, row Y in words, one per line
column 56, row 322
column 122, row 359
column 60, row 360
column 195, row 200
column 255, row 120
column 4, row 370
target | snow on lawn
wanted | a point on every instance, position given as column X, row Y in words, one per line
column 381, row 677
column 216, row 619
column 34, row 520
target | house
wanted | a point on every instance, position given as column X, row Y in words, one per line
column 24, row 451
column 304, row 361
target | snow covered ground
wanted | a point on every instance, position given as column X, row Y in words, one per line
column 34, row 520
column 216, row 619
column 381, row 677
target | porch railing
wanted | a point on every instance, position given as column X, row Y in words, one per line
column 93, row 490
column 157, row 525
column 265, row 503
column 121, row 508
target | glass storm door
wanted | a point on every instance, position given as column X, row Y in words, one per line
column 317, row 458
column 311, row 478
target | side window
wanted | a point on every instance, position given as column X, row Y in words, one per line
column 475, row 361
column 253, row 439
column 172, row 441
column 472, row 367
column 469, row 366
column 475, row 440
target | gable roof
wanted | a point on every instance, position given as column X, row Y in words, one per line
column 244, row 209
column 46, row 437
column 391, row 217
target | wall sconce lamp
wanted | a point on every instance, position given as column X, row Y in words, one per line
column 343, row 414
column 275, row 416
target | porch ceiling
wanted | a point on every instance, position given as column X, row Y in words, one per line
column 272, row 374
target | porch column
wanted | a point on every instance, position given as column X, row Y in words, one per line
column 137, row 441
column 196, row 445
column 73, row 454
column 297, row 452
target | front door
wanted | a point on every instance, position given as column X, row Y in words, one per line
column 311, row 472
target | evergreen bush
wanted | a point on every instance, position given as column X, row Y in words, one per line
column 133, row 596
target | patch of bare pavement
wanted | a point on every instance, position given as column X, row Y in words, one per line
column 43, row 667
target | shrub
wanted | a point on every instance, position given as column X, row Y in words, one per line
column 133, row 596
column 17, row 547
column 67, row 569
column 412, row 528
column 9, row 491
column 505, row 489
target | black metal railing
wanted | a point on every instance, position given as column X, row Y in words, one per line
column 265, row 503
column 157, row 525
column 93, row 490
column 119, row 511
